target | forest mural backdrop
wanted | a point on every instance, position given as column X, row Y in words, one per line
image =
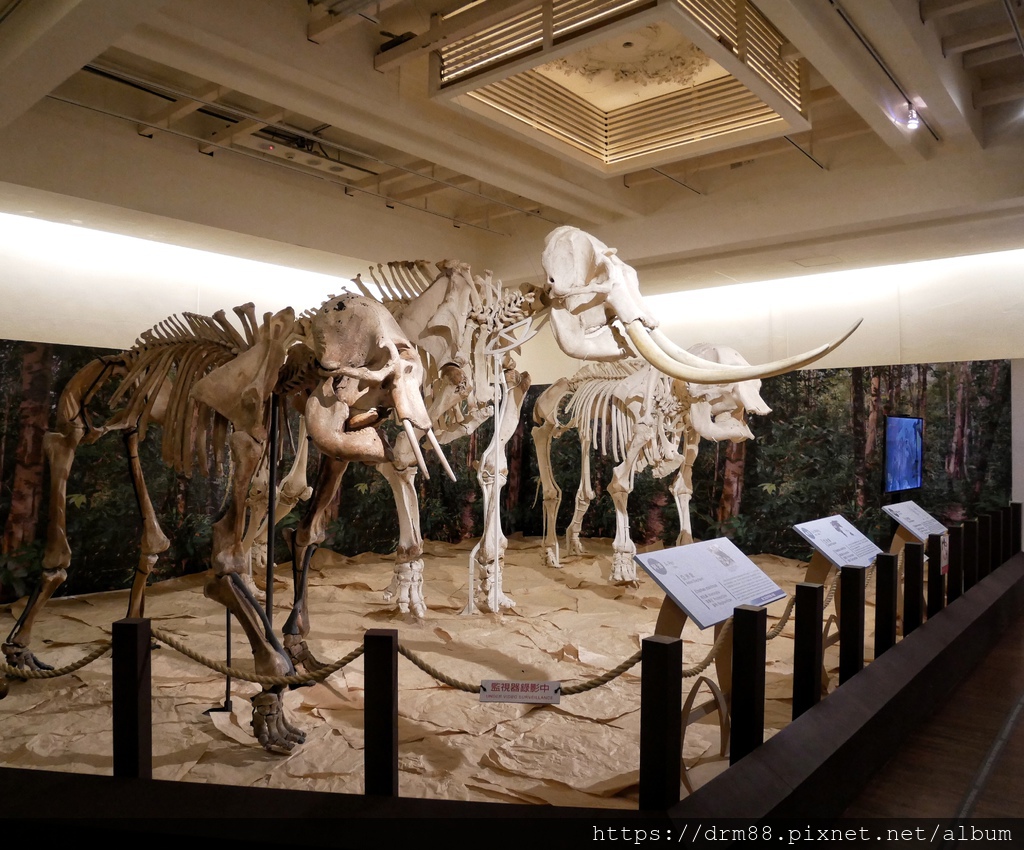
column 819, row 452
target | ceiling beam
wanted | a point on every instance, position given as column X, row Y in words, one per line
column 451, row 29
column 932, row 9
column 327, row 20
column 45, row 42
column 245, row 127
column 1005, row 93
column 975, row 39
column 988, row 55
column 174, row 112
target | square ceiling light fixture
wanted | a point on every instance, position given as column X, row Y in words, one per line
column 623, row 84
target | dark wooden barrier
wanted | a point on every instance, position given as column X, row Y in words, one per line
column 661, row 703
column 131, row 639
column 955, row 576
column 749, row 656
column 970, row 553
column 913, row 586
column 936, row 580
column 380, row 712
column 808, row 646
column 852, row 585
column 886, row 595
column 984, row 546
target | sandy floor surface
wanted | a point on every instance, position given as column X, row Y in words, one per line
column 568, row 625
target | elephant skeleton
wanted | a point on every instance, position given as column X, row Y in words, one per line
column 457, row 320
column 650, row 421
column 593, row 301
column 346, row 367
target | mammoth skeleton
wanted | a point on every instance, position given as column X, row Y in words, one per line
column 346, row 367
column 646, row 420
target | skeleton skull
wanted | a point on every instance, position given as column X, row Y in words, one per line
column 367, row 368
column 598, row 314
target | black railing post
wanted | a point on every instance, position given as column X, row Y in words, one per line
column 661, row 736
column 955, row 576
column 1015, row 527
column 913, row 581
column 886, row 594
column 851, row 622
column 995, row 557
column 380, row 712
column 984, row 546
column 749, row 655
column 1007, row 526
column 807, row 646
column 971, row 535
column 131, row 639
column 936, row 580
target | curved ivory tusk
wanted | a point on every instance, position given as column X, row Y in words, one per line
column 436, row 446
column 411, row 434
column 663, row 354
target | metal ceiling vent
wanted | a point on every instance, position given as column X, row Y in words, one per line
column 621, row 84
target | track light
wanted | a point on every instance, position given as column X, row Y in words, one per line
column 913, row 119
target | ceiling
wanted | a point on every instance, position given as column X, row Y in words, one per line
column 324, row 133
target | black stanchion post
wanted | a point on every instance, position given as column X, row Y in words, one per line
column 807, row 646
column 995, row 557
column 971, row 535
column 851, row 622
column 661, row 703
column 1007, row 548
column 936, row 580
column 1015, row 527
column 132, row 698
column 955, row 577
column 749, row 647
column 886, row 583
column 380, row 712
column 913, row 581
column 984, row 546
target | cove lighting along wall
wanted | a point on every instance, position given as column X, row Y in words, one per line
column 68, row 284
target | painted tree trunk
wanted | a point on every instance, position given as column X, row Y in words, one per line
column 857, row 424
column 33, row 418
column 732, row 481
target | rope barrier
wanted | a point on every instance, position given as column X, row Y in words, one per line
column 246, row 676
column 22, row 673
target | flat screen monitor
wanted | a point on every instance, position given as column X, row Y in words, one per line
column 904, row 453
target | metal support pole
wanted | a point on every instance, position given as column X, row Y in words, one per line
column 913, row 581
column 748, row 679
column 851, row 622
column 661, row 703
column 275, row 404
column 380, row 712
column 132, row 698
column 936, row 580
column 808, row 650
column 886, row 594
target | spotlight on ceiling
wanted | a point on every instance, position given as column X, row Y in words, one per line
column 913, row 119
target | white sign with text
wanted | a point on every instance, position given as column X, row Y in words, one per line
column 709, row 579
column 838, row 541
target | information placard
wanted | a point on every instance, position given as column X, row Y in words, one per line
column 838, row 541
column 709, row 579
column 915, row 519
